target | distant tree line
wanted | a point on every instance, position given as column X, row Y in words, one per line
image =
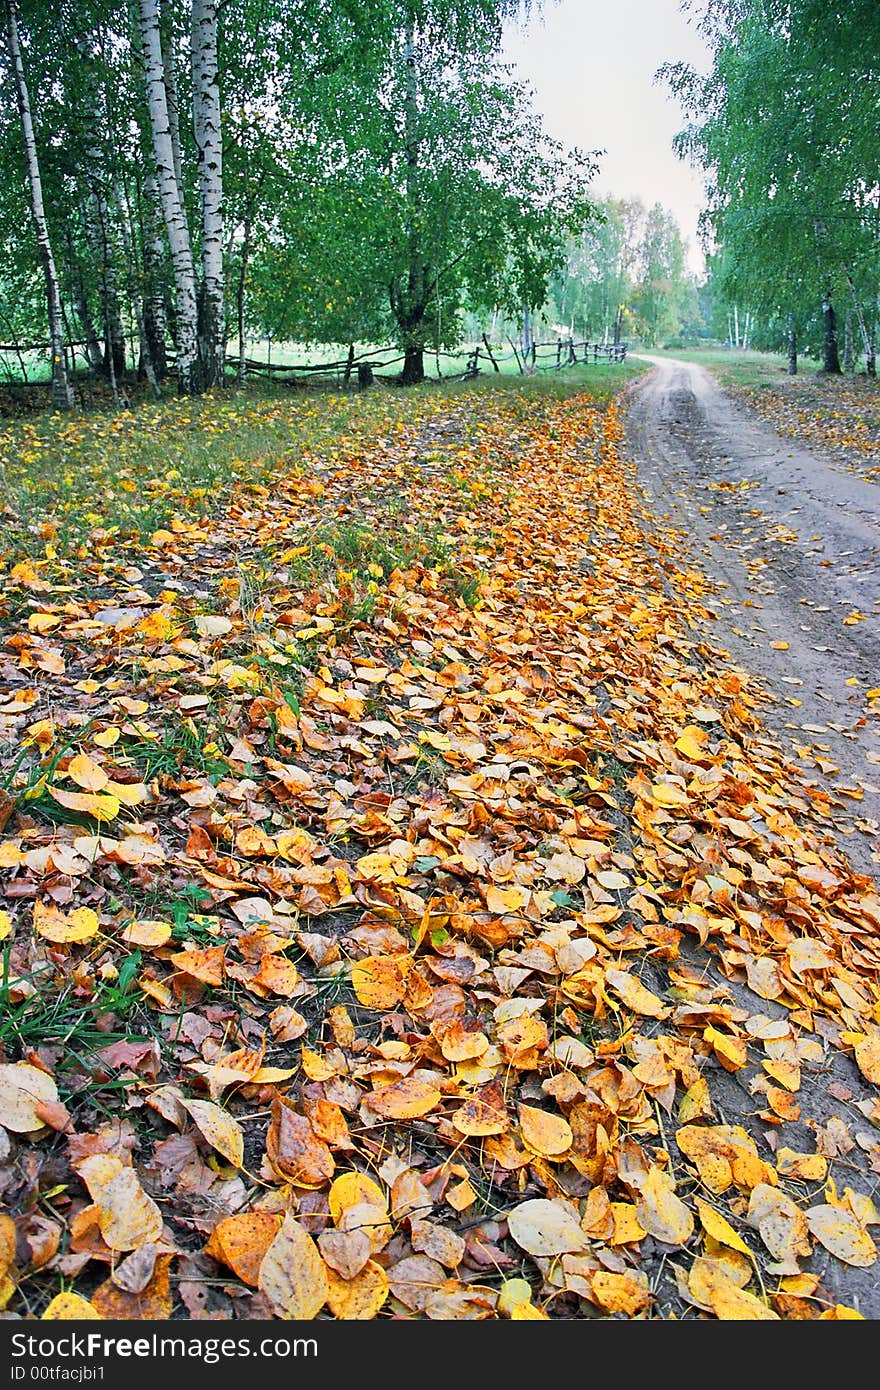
column 626, row 276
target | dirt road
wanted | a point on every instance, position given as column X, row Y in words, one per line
column 793, row 544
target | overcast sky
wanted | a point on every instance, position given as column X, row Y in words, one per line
column 592, row 65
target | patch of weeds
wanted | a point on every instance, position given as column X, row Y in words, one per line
column 58, row 1018
column 467, row 587
column 190, row 924
column 180, row 747
column 616, row 771
column 26, row 781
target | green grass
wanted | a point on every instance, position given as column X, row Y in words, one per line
column 78, row 486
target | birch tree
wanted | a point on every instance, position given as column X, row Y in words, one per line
column 189, row 367
column 209, row 144
column 62, row 394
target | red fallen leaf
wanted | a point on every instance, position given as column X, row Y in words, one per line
column 241, row 1241
column 200, row 845
column 140, row 1057
column 53, row 1114
column 294, row 1150
column 207, row 965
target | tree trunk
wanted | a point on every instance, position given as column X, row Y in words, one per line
column 410, row 306
column 831, row 359
column 94, row 352
column 413, row 364
column 154, row 265
column 867, row 338
column 62, row 394
column 169, row 79
column 848, row 348
column 618, row 324
column 146, row 355
column 189, row 373
column 242, row 280
column 209, row 142
column 792, row 346
column 528, row 342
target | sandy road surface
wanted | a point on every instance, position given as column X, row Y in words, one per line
column 793, row 544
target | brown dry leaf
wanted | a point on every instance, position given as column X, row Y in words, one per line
column 23, row 1089
column 404, row 1100
column 413, row 1280
column 359, row 1298
column 292, row 1274
column 276, row 975
column 7, row 1244
column 660, row 1211
column 241, row 1241
column 627, row 1293
column 87, row 774
column 441, row 1244
column 345, row 1252
column 724, row 1155
column 546, row 1134
column 207, row 964
column 542, row 1227
column 98, row 805
column 371, row 1220
column 222, row 1132
column 867, row 1054
column 70, row 1307
column 781, row 1225
column 806, row 1167
column 482, row 1114
column 457, row 1044
column 127, row 1217
column 841, row 1233
column 719, row 1228
column 156, row 1301
column 147, row 934
column 294, row 1149
column 696, row 1103
column 706, row 1275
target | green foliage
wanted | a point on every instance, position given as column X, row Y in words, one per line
column 786, row 127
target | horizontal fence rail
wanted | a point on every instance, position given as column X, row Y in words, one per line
column 538, row 357
column 552, row 355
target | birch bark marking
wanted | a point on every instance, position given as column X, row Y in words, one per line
column 171, row 198
column 62, row 394
column 209, row 143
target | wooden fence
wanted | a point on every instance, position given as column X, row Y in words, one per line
column 547, row 356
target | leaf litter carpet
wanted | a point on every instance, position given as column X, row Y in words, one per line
column 437, row 939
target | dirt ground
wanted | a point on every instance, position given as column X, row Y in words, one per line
column 792, row 541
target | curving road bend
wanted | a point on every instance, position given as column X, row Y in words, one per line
column 792, row 542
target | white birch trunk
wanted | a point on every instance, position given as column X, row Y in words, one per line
column 128, row 244
column 154, row 261
column 209, row 143
column 62, row 394
column 171, row 198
